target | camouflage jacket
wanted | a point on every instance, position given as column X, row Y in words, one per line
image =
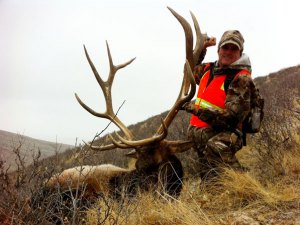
column 237, row 103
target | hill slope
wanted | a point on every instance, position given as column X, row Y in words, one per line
column 12, row 144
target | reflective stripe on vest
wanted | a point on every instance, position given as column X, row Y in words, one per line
column 211, row 96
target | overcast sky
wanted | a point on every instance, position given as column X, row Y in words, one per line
column 42, row 62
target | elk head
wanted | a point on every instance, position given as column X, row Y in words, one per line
column 155, row 151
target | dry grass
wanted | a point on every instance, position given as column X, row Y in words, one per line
column 291, row 162
column 148, row 209
column 244, row 188
column 235, row 198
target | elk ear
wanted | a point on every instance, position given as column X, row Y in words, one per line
column 180, row 146
column 132, row 154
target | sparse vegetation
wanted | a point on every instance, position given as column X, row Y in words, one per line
column 268, row 193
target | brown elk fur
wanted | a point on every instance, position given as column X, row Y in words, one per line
column 95, row 178
column 161, row 169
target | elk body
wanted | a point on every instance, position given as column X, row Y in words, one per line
column 157, row 166
column 163, row 175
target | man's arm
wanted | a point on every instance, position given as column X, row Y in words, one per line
column 237, row 106
column 238, row 100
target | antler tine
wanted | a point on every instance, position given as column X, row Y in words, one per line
column 191, row 55
column 114, row 145
column 100, row 148
column 146, row 141
column 119, row 144
column 103, row 148
column 188, row 78
column 115, row 68
column 106, row 89
column 199, row 40
column 188, row 87
column 182, row 97
column 188, row 36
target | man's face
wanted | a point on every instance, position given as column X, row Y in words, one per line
column 228, row 54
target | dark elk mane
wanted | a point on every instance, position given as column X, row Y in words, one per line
column 157, row 167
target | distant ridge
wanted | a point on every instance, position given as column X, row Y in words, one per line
column 10, row 142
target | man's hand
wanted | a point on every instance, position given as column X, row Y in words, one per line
column 210, row 41
column 189, row 107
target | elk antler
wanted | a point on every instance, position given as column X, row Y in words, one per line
column 186, row 93
column 192, row 55
column 146, row 141
column 188, row 86
column 106, row 89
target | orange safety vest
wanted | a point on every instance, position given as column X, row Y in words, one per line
column 213, row 95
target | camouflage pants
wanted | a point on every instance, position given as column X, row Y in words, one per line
column 215, row 148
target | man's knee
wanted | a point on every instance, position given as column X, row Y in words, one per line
column 224, row 145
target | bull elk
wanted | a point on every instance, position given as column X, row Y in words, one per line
column 156, row 163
